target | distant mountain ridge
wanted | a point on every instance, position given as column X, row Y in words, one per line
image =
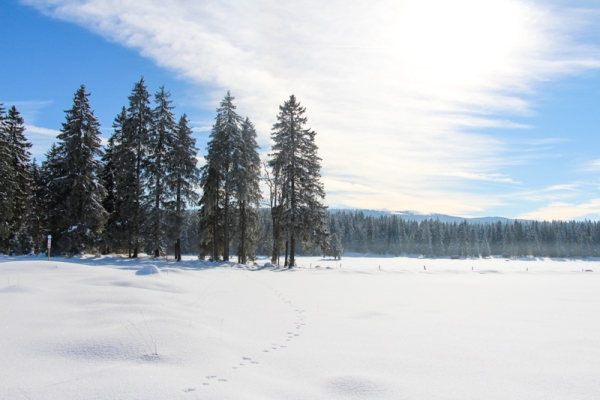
column 417, row 216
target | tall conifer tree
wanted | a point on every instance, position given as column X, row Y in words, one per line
column 157, row 168
column 109, row 179
column 245, row 183
column 6, row 183
column 35, row 221
column 294, row 155
column 217, row 180
column 184, row 177
column 130, row 159
column 79, row 213
column 18, row 149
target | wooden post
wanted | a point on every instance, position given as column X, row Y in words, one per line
column 49, row 245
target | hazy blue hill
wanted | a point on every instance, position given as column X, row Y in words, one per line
column 415, row 216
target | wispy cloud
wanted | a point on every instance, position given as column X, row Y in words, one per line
column 28, row 109
column 202, row 128
column 483, row 177
column 566, row 211
column 396, row 90
column 593, row 165
column 41, row 131
column 554, row 193
column 547, row 141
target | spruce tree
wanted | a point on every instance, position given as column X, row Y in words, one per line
column 336, row 250
column 183, row 178
column 79, row 214
column 275, row 182
column 108, row 178
column 218, row 181
column 294, row 154
column 245, row 173
column 35, row 222
column 210, row 230
column 52, row 191
column 157, row 168
column 130, row 161
column 6, row 183
column 18, row 178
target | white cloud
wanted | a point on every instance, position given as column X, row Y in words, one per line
column 41, row 131
column 566, row 211
column 483, row 177
column 395, row 89
column 593, row 165
column 202, row 128
column 29, row 109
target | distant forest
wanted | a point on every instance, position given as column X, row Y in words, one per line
column 392, row 235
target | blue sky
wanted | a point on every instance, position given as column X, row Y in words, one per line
column 467, row 108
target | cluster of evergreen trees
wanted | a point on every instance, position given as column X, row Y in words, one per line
column 229, row 206
column 390, row 234
column 128, row 197
column 132, row 196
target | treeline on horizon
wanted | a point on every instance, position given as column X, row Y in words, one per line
column 361, row 233
column 144, row 192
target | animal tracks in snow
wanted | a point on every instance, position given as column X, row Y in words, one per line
column 247, row 362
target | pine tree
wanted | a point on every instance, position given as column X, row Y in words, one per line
column 336, row 249
column 184, row 177
column 245, row 173
column 294, row 155
column 130, row 156
column 157, row 167
column 35, row 222
column 52, row 192
column 217, row 181
column 210, row 229
column 108, row 179
column 6, row 183
column 18, row 178
column 426, row 239
column 79, row 214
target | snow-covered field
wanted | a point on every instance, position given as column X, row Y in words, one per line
column 86, row 328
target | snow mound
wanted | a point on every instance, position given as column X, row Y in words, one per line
column 269, row 265
column 148, row 270
column 16, row 289
column 102, row 350
column 355, row 387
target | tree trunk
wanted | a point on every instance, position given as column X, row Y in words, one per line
column 275, row 253
column 157, row 228
column 292, row 251
column 216, row 225
column 285, row 264
column 226, row 229
column 178, row 222
column 241, row 248
column 136, row 216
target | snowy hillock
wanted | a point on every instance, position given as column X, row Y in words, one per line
column 148, row 270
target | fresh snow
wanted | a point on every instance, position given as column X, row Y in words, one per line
column 356, row 328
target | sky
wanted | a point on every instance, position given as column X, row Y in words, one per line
column 466, row 108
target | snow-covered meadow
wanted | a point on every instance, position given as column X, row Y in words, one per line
column 362, row 327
